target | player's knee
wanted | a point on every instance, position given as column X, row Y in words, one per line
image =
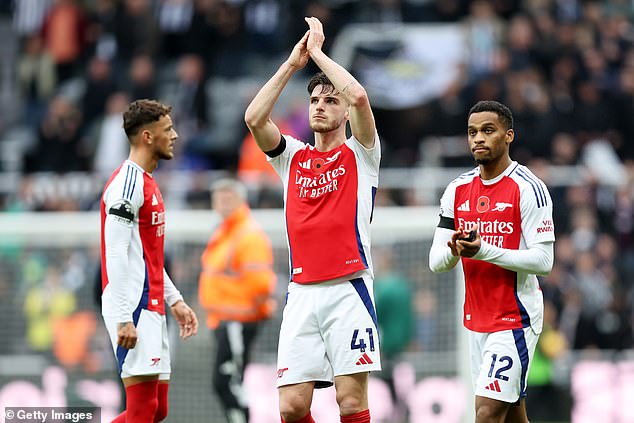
column 293, row 408
column 349, row 404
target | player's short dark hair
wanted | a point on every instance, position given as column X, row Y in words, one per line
column 320, row 78
column 503, row 112
column 141, row 113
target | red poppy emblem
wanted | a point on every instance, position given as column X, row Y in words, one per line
column 317, row 165
column 483, row 204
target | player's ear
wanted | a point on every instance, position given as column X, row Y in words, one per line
column 146, row 136
column 510, row 135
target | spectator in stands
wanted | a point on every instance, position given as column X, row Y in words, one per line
column 235, row 289
column 101, row 29
column 142, row 78
column 65, row 34
column 28, row 15
column 58, row 148
column 229, row 55
column 46, row 301
column 135, row 30
column 37, row 78
column 109, row 142
column 189, row 100
column 100, row 85
column 174, row 21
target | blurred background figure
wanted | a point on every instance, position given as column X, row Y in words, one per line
column 236, row 287
column 395, row 314
column 112, row 146
column 58, row 147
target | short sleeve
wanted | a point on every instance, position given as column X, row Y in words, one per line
column 370, row 158
column 282, row 162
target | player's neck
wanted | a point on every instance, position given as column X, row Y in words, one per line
column 494, row 169
column 326, row 141
column 147, row 162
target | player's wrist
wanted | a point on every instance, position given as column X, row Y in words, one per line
column 291, row 66
column 176, row 303
column 123, row 323
column 485, row 251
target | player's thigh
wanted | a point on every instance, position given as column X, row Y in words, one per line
column 301, row 353
column 504, row 358
column 350, row 330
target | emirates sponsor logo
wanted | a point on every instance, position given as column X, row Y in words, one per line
column 316, row 186
column 487, row 226
column 491, row 231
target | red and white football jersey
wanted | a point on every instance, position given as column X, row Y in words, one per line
column 329, row 200
column 133, row 197
column 512, row 211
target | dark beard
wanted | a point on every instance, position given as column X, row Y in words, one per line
column 165, row 156
column 483, row 161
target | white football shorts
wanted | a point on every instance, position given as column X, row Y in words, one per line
column 500, row 362
column 151, row 355
column 328, row 329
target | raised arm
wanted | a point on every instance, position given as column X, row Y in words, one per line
column 258, row 113
column 361, row 117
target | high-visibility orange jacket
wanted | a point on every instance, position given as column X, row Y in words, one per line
column 237, row 278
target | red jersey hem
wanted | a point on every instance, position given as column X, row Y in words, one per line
column 327, row 278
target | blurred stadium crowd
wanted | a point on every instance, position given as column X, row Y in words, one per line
column 564, row 67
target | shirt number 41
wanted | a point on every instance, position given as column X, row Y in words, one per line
column 358, row 343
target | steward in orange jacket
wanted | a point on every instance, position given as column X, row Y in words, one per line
column 237, row 279
column 235, row 288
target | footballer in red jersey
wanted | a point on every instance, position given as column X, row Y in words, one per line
column 329, row 327
column 497, row 219
column 134, row 281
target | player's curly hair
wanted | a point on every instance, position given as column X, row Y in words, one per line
column 141, row 113
column 503, row 112
column 320, row 78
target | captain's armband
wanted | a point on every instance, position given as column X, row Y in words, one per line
column 122, row 210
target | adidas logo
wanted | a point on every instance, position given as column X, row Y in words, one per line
column 306, row 164
column 154, row 200
column 464, row 206
column 364, row 359
column 494, row 386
